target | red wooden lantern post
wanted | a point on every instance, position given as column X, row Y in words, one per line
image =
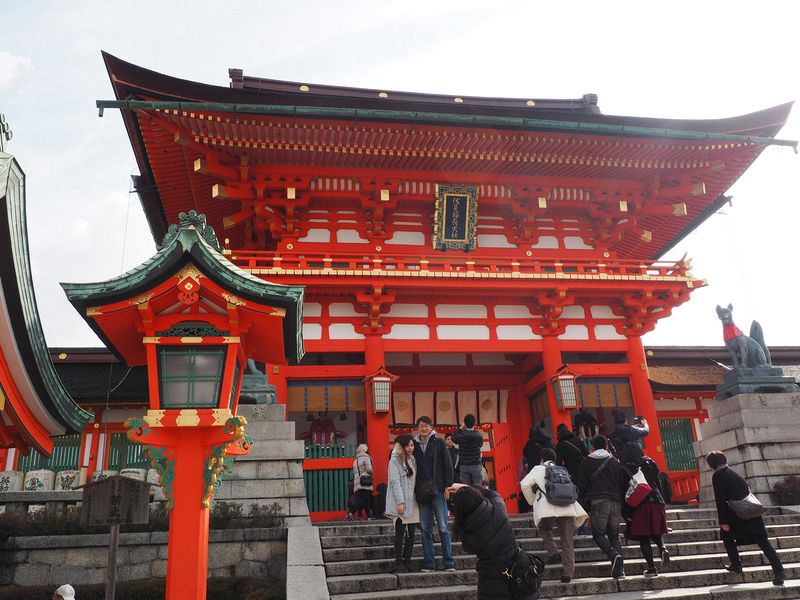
column 379, row 407
column 193, row 318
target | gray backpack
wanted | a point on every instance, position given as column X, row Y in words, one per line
column 558, row 488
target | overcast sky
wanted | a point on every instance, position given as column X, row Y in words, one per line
column 673, row 60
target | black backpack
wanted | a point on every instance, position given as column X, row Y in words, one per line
column 559, row 489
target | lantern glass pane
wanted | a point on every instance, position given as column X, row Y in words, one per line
column 190, row 377
column 566, row 393
column 381, row 389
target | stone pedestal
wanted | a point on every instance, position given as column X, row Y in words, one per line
column 762, row 379
column 760, row 435
column 273, row 470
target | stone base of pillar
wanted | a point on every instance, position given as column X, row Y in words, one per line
column 759, row 434
column 272, row 473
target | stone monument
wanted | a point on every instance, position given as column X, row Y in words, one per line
column 754, row 421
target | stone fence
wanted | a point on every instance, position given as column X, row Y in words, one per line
column 54, row 560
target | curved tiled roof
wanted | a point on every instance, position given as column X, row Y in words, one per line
column 37, row 390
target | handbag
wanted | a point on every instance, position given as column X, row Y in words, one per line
column 747, row 508
column 638, row 490
column 364, row 480
column 425, row 491
column 526, row 573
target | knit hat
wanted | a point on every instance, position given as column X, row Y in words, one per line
column 466, row 500
column 66, row 591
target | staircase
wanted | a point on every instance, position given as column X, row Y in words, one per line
column 358, row 559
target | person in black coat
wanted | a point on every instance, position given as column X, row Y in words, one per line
column 729, row 485
column 536, row 441
column 481, row 523
column 570, row 452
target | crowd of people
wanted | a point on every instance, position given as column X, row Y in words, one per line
column 568, row 487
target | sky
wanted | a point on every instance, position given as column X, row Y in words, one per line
column 695, row 60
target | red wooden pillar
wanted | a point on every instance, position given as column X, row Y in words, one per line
column 519, row 420
column 188, row 520
column 643, row 401
column 551, row 361
column 377, row 424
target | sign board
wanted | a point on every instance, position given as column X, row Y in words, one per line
column 115, row 500
column 455, row 217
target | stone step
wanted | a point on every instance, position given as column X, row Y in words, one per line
column 676, row 536
column 443, row 585
column 675, row 519
column 589, row 562
column 677, row 539
column 673, row 514
column 738, row 591
column 373, row 534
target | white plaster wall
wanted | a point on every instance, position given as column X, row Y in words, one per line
column 349, row 236
column 516, row 332
column 607, row 332
column 462, row 332
column 343, row 309
column 603, row 312
column 573, row 242
column 546, row 242
column 408, row 310
column 512, row 311
column 407, row 238
column 312, row 331
column 344, row 331
column 486, row 240
column 575, row 332
column 408, row 332
column 312, row 309
column 316, row 235
column 573, row 312
column 460, row 311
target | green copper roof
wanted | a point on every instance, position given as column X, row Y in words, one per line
column 20, row 301
column 194, row 241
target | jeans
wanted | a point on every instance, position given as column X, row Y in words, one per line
column 606, row 516
column 437, row 508
column 472, row 475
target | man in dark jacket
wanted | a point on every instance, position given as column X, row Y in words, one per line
column 433, row 465
column 626, row 440
column 601, row 485
column 469, row 443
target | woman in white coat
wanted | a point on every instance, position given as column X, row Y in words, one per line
column 546, row 516
column 401, row 505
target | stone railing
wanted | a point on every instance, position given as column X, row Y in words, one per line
column 52, row 560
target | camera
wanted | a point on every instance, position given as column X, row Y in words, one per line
column 638, row 419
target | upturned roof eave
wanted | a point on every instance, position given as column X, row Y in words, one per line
column 189, row 247
column 132, row 81
column 20, row 304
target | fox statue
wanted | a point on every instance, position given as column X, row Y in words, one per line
column 746, row 352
